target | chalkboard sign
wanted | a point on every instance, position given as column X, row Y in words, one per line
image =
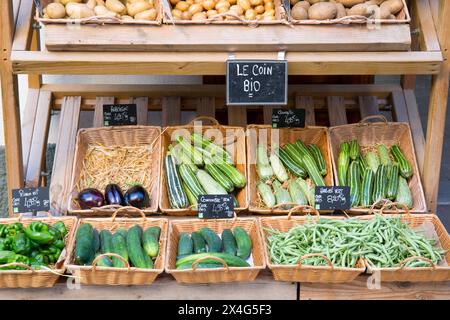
column 220, row 206
column 119, row 114
column 332, row 198
column 30, row 200
column 257, row 82
column 288, row 118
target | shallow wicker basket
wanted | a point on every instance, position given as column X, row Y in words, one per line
column 116, row 136
column 92, row 275
column 299, row 272
column 37, row 278
column 234, row 141
column 256, row 133
column 217, row 275
column 371, row 134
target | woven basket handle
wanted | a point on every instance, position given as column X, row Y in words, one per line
column 17, row 264
column 196, row 262
column 379, row 117
column 303, row 209
column 106, row 207
column 110, row 254
column 127, row 208
column 403, row 263
column 395, row 205
column 309, row 255
column 213, row 120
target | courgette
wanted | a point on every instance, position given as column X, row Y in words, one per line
column 84, row 244
column 354, row 149
column 281, row 195
column 177, row 196
column 295, row 155
column 383, row 152
column 318, row 157
column 404, row 195
column 119, row 246
column 229, row 242
column 312, row 170
column 244, row 243
column 232, row 261
column 278, row 168
column 379, row 189
column 266, row 194
column 263, row 167
column 137, row 256
column 191, row 151
column 296, row 193
column 212, row 239
column 185, row 244
column 392, row 186
column 307, row 189
column 290, row 164
column 210, row 185
column 343, row 163
column 190, row 179
column 199, row 242
column 354, row 181
column 150, row 241
column 193, row 200
column 232, row 173
column 181, row 157
column 220, row 177
column 211, row 147
column 373, row 161
column 404, row 166
column 367, row 188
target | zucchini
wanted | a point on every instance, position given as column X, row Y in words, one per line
column 266, row 194
column 290, row 164
column 190, row 150
column 244, row 243
column 318, row 157
column 302, row 148
column 137, row 256
column 185, row 245
column 263, row 168
column 212, row 239
column 177, row 196
column 373, row 161
column 367, row 188
column 199, row 242
column 404, row 195
column 295, row 155
column 193, row 200
column 379, row 189
column 383, row 152
column 211, row 147
column 296, row 193
column 119, row 246
column 210, row 185
column 220, row 177
column 404, row 166
column 343, row 163
column 181, row 157
column 150, row 241
column 190, row 179
column 354, row 181
column 392, row 186
column 354, row 149
column 278, row 168
column 312, row 170
column 232, row 261
column 84, row 244
column 281, row 195
column 229, row 242
column 232, row 173
column 307, row 190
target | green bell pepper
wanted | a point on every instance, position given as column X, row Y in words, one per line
column 2, row 230
column 5, row 243
column 39, row 260
column 6, row 256
column 13, row 229
column 59, row 244
column 21, row 244
column 42, row 236
column 55, row 233
column 61, row 227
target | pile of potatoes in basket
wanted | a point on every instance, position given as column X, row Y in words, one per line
column 122, row 9
column 205, row 9
column 335, row 9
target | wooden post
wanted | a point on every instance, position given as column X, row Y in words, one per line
column 437, row 112
column 11, row 111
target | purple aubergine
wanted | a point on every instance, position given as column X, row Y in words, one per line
column 90, row 198
column 137, row 197
column 113, row 194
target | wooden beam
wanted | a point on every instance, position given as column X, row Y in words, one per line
column 368, row 106
column 416, row 128
column 400, row 110
column 267, row 114
column 307, row 103
column 141, row 110
column 35, row 80
column 171, row 111
column 237, row 116
column 98, row 113
column 336, row 111
column 23, row 26
column 206, row 107
column 27, row 127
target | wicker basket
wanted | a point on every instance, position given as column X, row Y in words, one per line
column 99, row 19
column 299, row 272
column 37, row 278
column 92, row 275
column 116, row 136
column 218, row 275
column 234, row 140
column 316, row 135
column 388, row 133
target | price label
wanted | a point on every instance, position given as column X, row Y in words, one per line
column 218, row 206
column 30, row 200
column 119, row 114
column 332, row 198
column 257, row 82
column 288, row 118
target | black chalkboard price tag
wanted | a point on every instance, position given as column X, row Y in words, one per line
column 220, row 206
column 332, row 198
column 256, row 82
column 119, row 114
column 288, row 118
column 30, row 200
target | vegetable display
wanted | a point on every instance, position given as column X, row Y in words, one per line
column 382, row 241
column 36, row 245
column 380, row 173
column 288, row 174
column 139, row 247
column 233, row 246
column 197, row 166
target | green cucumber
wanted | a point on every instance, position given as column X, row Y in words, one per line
column 96, row 240
column 190, row 150
column 404, row 166
column 383, row 153
column 210, row 185
column 199, row 242
column 137, row 256
column 105, row 241
column 220, row 177
column 122, row 231
column 190, row 179
column 266, row 194
column 150, row 241
column 354, row 149
column 290, row 164
column 243, row 242
column 281, row 195
column 232, row 261
column 84, row 244
column 296, row 193
column 212, row 239
column 373, row 161
column 263, row 167
column 404, row 195
column 229, row 242
column 379, row 189
column 212, row 265
column 307, row 189
column 119, row 246
column 185, row 244
column 176, row 194
column 318, row 157
column 392, row 187
column 343, row 163
column 104, row 261
column 354, row 181
column 367, row 188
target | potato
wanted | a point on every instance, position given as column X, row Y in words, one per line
column 298, row 12
column 65, row 2
column 56, row 11
column 304, row 4
column 100, row 2
column 116, row 6
column 394, row 6
column 322, row 11
column 136, row 7
column 199, row 16
column 79, row 11
column 126, row 17
column 245, row 4
column 211, row 13
column 174, row 2
column 260, row 9
column 91, row 4
column 349, row 3
column 176, row 14
column 268, row 18
column 341, row 12
column 256, row 2
column 270, row 12
column 222, row 5
column 186, row 15
column 250, row 14
column 231, row 2
column 189, row 2
column 208, row 4
column 361, row 9
column 269, row 6
column 237, row 10
column 104, row 12
column 195, row 8
column 146, row 15
column 182, row 6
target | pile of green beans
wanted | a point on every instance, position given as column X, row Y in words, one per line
column 382, row 241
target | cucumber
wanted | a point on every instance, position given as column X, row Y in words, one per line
column 404, row 166
column 122, row 231
column 185, row 244
column 190, row 150
column 210, row 185
column 373, row 161
column 150, row 241
column 220, row 177
column 229, row 242
column 212, row 265
column 392, row 186
column 243, row 242
column 318, row 157
column 105, row 241
column 281, row 194
column 232, row 261
column 383, row 153
column 379, row 189
column 138, row 257
column 367, row 188
column 290, row 164
column 84, row 244
column 354, row 181
column 296, row 193
column 104, row 261
column 266, row 194
column 343, row 163
column 263, row 168
column 119, row 246
column 96, row 240
column 177, row 196
column 199, row 242
column 354, row 149
column 404, row 195
column 193, row 200
column 307, row 190
column 212, row 239
column 190, row 179
column 232, row 173
column 312, row 170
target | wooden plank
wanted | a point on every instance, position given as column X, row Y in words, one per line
column 268, row 111
column 368, row 106
column 98, row 113
column 15, row 8
column 28, row 121
column 226, row 38
column 142, row 110
column 35, row 80
column 358, row 289
column 307, row 103
column 336, row 111
column 206, row 107
column 416, row 127
column 36, row 160
column 237, row 116
column 400, row 110
column 213, row 63
column 64, row 153
column 23, row 26
column 428, row 37
column 171, row 111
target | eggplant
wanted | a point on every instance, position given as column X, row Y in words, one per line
column 137, row 197
column 113, row 194
column 90, row 198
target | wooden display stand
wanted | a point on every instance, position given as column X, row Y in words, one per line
column 26, row 140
